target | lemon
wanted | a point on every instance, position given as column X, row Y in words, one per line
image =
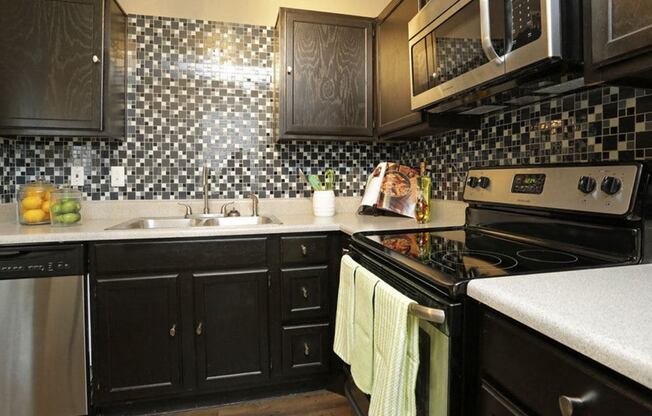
column 32, row 202
column 34, row 215
column 46, row 206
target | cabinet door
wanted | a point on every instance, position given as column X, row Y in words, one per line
column 48, row 78
column 328, row 74
column 620, row 28
column 137, row 338
column 393, row 69
column 231, row 329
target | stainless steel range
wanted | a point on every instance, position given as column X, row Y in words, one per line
column 520, row 220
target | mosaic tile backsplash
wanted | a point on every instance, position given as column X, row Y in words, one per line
column 603, row 124
column 199, row 92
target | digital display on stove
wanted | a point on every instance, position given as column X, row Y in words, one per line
column 530, row 183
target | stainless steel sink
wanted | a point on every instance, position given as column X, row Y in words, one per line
column 181, row 222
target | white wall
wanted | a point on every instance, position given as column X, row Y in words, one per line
column 258, row 12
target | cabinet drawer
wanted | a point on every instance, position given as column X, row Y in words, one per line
column 305, row 292
column 304, row 250
column 166, row 256
column 535, row 372
column 306, row 349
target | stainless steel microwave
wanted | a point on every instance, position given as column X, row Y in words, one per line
column 459, row 45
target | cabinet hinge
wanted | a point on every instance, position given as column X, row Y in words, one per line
column 373, row 32
column 373, row 124
column 271, row 365
column 269, row 280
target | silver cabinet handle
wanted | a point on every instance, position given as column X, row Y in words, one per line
column 434, row 75
column 95, row 59
column 199, row 329
column 568, row 405
column 289, row 70
column 304, row 292
column 485, row 33
column 304, row 250
column 173, row 330
column 306, row 349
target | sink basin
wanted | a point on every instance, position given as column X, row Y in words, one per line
column 223, row 221
column 181, row 222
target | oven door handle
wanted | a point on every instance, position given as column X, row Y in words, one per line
column 437, row 316
column 485, row 34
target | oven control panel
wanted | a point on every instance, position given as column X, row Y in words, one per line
column 602, row 189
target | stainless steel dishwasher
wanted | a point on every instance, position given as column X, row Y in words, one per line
column 42, row 322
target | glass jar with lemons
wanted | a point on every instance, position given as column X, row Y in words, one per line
column 66, row 207
column 33, row 202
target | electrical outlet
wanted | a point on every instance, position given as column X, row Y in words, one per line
column 117, row 176
column 77, row 176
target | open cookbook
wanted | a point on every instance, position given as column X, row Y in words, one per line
column 393, row 188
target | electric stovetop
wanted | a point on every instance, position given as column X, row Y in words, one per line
column 448, row 259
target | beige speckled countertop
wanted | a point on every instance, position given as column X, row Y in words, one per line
column 605, row 314
column 295, row 216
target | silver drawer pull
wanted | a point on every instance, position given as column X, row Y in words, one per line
column 289, row 70
column 199, row 329
column 569, row 405
column 173, row 330
column 306, row 349
column 95, row 59
column 304, row 250
column 304, row 292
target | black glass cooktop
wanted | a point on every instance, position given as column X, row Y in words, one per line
column 450, row 258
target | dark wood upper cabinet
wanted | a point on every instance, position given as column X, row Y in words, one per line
column 137, row 337
column 395, row 119
column 62, row 67
column 231, row 329
column 618, row 42
column 325, row 75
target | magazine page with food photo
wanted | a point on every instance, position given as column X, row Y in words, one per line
column 392, row 187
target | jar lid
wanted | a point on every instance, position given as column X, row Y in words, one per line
column 67, row 192
column 39, row 184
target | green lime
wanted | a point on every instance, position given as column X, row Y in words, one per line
column 71, row 218
column 55, row 209
column 70, row 206
column 59, row 219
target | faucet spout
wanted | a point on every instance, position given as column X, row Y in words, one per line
column 206, row 186
column 254, row 205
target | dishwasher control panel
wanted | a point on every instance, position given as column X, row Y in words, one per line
column 41, row 261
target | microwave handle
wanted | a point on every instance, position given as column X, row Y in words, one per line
column 485, row 34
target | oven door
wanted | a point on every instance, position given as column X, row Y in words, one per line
column 460, row 45
column 441, row 374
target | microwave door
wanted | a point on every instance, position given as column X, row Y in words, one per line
column 535, row 32
column 448, row 56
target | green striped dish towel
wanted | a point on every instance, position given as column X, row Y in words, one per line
column 396, row 354
column 362, row 358
column 343, row 343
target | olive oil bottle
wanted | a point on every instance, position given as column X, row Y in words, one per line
column 422, row 209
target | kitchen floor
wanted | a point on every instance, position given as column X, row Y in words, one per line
column 319, row 403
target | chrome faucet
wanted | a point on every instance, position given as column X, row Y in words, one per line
column 206, row 186
column 254, row 205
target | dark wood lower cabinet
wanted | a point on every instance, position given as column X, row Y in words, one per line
column 138, row 337
column 524, row 373
column 202, row 320
column 231, row 329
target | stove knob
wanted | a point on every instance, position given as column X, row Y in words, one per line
column 611, row 185
column 472, row 182
column 484, row 182
column 587, row 184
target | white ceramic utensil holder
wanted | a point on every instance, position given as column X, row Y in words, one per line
column 323, row 203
